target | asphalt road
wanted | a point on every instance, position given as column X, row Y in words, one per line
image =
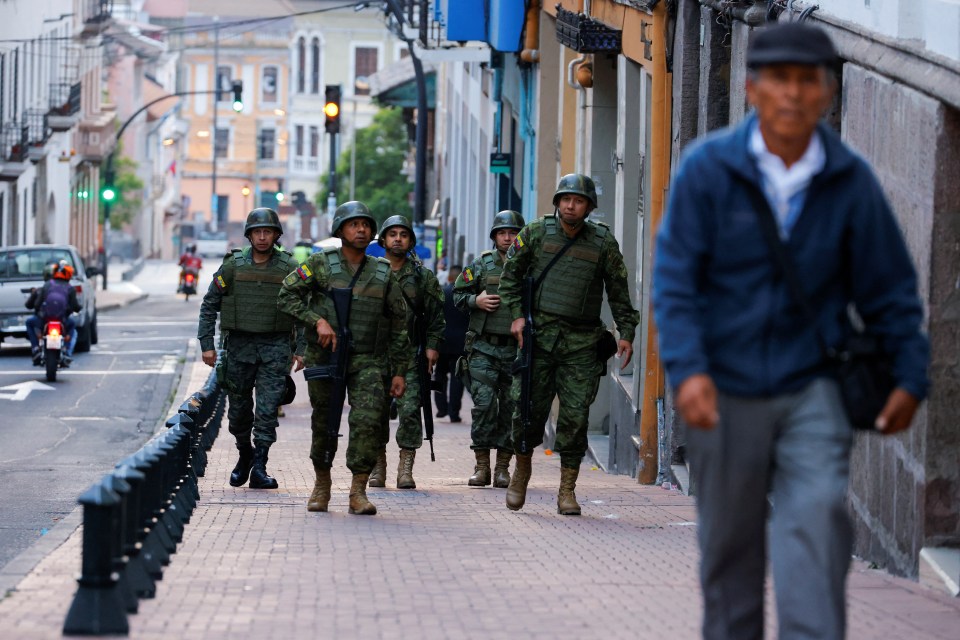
column 56, row 439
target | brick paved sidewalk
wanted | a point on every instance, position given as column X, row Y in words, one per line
column 442, row 561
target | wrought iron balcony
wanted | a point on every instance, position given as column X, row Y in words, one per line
column 14, row 140
column 64, row 105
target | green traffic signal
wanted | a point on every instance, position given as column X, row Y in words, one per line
column 237, row 95
column 108, row 194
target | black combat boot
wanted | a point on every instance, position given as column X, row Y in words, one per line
column 240, row 473
column 259, row 479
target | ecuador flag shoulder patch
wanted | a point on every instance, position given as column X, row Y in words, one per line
column 468, row 275
column 304, row 272
column 518, row 243
column 221, row 284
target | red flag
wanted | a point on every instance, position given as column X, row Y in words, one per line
column 173, row 167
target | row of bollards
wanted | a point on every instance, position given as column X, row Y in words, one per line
column 134, row 518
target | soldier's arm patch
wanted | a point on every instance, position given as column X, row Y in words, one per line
column 304, row 272
column 221, row 285
column 518, row 243
column 468, row 275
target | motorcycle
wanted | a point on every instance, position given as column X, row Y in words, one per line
column 188, row 283
column 51, row 348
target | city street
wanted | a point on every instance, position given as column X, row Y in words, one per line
column 442, row 561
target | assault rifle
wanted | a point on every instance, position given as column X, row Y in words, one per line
column 336, row 371
column 524, row 362
column 423, row 376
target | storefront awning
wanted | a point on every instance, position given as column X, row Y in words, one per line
column 396, row 84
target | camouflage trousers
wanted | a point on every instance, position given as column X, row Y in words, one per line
column 268, row 378
column 572, row 376
column 490, row 381
column 367, row 399
column 410, row 428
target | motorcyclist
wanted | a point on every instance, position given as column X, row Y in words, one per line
column 57, row 300
column 189, row 262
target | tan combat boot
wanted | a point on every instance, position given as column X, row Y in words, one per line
column 501, row 473
column 566, row 498
column 517, row 491
column 359, row 504
column 405, row 469
column 320, row 497
column 481, row 472
column 378, row 477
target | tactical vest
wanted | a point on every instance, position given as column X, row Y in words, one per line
column 573, row 288
column 499, row 321
column 367, row 303
column 250, row 300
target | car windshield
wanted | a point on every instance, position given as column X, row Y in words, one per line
column 28, row 264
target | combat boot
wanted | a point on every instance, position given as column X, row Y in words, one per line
column 405, row 469
column 566, row 498
column 320, row 498
column 517, row 491
column 378, row 477
column 259, row 478
column 359, row 505
column 481, row 472
column 241, row 472
column 501, row 473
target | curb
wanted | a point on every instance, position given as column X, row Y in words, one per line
column 110, row 306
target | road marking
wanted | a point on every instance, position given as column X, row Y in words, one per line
column 86, row 418
column 82, row 372
column 22, row 390
column 157, row 352
column 141, row 323
column 143, row 339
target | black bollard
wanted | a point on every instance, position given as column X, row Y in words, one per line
column 120, row 486
column 97, row 608
column 134, row 532
column 187, row 454
column 159, row 494
column 156, row 542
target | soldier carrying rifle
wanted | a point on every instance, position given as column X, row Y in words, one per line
column 376, row 308
column 571, row 261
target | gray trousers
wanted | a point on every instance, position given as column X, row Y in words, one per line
column 785, row 458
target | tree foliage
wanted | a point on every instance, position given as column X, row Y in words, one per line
column 380, row 152
column 129, row 190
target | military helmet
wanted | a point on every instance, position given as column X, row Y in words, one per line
column 48, row 271
column 348, row 211
column 289, row 390
column 576, row 184
column 506, row 219
column 396, row 221
column 262, row 217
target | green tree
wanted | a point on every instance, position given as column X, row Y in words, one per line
column 129, row 189
column 380, row 151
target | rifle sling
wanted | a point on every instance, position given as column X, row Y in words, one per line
column 543, row 274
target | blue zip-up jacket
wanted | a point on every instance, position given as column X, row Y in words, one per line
column 723, row 309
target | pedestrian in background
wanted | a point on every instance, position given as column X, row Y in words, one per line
column 491, row 350
column 424, row 299
column 379, row 348
column 768, row 434
column 260, row 343
column 573, row 260
column 449, row 399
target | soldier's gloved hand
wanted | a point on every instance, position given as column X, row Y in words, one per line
column 326, row 336
column 210, row 357
column 516, row 330
column 487, row 302
column 432, row 356
column 297, row 363
column 625, row 353
column 397, row 386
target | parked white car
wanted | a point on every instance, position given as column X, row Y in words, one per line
column 21, row 269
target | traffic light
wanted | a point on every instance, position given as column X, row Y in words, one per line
column 331, row 108
column 108, row 193
column 237, row 95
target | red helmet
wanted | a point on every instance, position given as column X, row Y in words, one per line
column 63, row 272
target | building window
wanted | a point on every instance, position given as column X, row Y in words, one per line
column 301, row 65
column 268, row 141
column 221, row 143
column 224, row 83
column 268, row 87
column 298, row 140
column 314, row 142
column 364, row 65
column 315, row 66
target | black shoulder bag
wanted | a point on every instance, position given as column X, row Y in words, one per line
column 862, row 369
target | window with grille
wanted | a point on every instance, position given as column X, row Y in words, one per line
column 221, row 143
column 301, row 65
column 314, row 142
column 224, row 84
column 268, row 142
column 315, row 66
column 298, row 140
column 364, row 66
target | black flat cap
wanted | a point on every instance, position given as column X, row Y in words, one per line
column 790, row 43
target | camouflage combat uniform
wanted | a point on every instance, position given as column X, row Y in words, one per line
column 259, row 341
column 377, row 308
column 491, row 351
column 566, row 314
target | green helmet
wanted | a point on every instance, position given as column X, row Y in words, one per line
column 577, row 184
column 396, row 221
column 506, row 219
column 262, row 217
column 348, row 211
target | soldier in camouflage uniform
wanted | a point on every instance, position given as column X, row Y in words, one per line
column 377, row 310
column 566, row 315
column 491, row 350
column 260, row 343
column 422, row 293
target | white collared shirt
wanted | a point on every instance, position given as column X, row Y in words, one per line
column 785, row 187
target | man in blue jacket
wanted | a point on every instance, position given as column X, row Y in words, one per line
column 749, row 376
